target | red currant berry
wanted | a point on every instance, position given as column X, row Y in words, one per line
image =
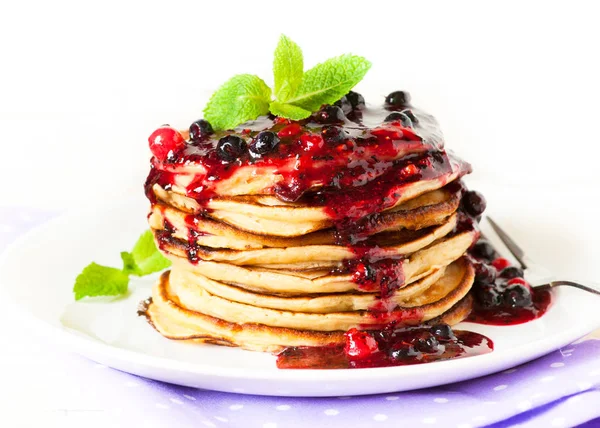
column 165, row 142
column 359, row 344
column 289, row 131
column 311, row 142
column 500, row 263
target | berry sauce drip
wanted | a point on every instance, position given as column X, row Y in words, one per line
column 388, row 347
column 502, row 296
column 191, row 222
column 357, row 168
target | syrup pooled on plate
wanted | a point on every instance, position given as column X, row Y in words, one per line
column 502, row 296
column 388, row 347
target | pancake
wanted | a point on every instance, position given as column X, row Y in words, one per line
column 184, row 283
column 430, row 209
column 283, row 220
column 416, row 266
column 394, row 244
column 176, row 322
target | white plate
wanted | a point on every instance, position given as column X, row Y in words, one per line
column 37, row 274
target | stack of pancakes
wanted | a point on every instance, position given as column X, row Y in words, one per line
column 253, row 270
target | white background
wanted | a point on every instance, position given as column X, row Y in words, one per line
column 514, row 85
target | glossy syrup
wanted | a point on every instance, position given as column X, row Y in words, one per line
column 403, row 347
column 541, row 301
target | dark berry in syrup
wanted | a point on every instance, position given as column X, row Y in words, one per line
column 333, row 134
column 511, row 272
column 411, row 115
column 265, row 142
column 427, row 343
column 344, row 104
column 398, row 99
column 399, row 117
column 517, row 295
column 330, row 115
column 230, row 148
column 487, row 296
column 356, row 99
column 474, row 203
column 165, row 142
column 485, row 273
column 199, row 130
column 483, row 250
column 442, row 332
column 401, row 353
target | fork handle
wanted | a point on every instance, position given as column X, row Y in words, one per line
column 553, row 284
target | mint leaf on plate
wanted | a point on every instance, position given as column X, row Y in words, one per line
column 129, row 264
column 243, row 97
column 98, row 280
column 145, row 257
column 288, row 68
column 327, row 82
column 288, row 111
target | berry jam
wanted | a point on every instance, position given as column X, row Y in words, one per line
column 502, row 296
column 388, row 347
column 359, row 169
column 541, row 300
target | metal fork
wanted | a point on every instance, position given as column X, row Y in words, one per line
column 520, row 256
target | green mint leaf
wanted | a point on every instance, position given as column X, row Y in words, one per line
column 288, row 111
column 327, row 82
column 288, row 68
column 97, row 280
column 243, row 97
column 129, row 264
column 145, row 258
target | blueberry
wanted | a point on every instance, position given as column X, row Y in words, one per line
column 399, row 117
column 263, row 143
column 427, row 343
column 487, row 296
column 517, row 295
column 485, row 273
column 344, row 104
column 356, row 99
column 398, row 99
column 382, row 337
column 442, row 331
column 410, row 115
column 511, row 272
column 401, row 353
column 333, row 134
column 483, row 250
column 200, row 129
column 230, row 148
column 474, row 203
column 330, row 114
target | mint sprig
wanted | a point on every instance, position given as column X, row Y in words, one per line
column 329, row 81
column 243, row 97
column 296, row 94
column 288, row 68
column 97, row 280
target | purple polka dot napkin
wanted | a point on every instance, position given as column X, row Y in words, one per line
column 561, row 389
